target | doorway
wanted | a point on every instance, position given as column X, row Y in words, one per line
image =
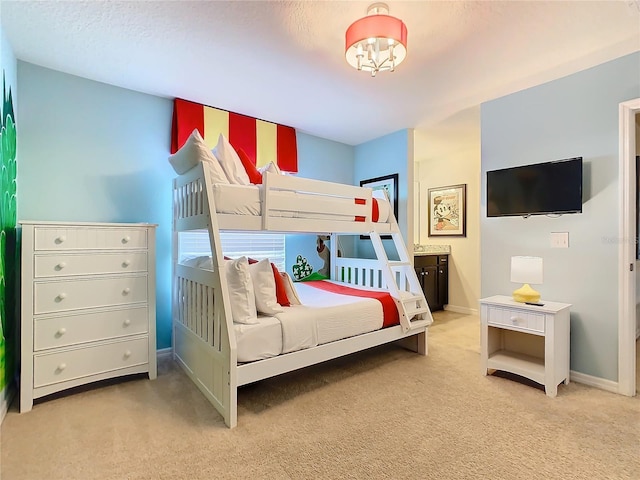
column 627, row 249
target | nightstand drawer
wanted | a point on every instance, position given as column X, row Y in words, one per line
column 59, row 296
column 91, row 238
column 82, row 362
column 89, row 264
column 73, row 329
column 516, row 319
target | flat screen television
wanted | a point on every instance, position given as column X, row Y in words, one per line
column 538, row 189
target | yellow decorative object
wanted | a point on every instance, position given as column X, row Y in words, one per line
column 526, row 294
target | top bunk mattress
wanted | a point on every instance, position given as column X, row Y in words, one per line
column 246, row 200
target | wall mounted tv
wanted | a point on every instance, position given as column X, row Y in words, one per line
column 538, row 189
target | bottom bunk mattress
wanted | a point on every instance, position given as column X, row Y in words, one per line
column 324, row 316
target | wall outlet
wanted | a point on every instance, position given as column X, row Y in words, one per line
column 559, row 239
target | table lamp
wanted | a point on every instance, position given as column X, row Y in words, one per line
column 526, row 270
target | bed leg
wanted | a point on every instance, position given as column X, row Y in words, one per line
column 416, row 343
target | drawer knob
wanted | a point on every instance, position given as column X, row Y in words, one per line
column 126, row 291
column 61, row 331
column 127, row 354
column 126, row 263
column 127, row 322
column 515, row 320
column 60, row 239
column 60, row 297
column 126, row 239
column 61, row 265
column 61, row 367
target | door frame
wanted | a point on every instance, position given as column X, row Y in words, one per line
column 627, row 248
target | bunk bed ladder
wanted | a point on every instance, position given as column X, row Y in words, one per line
column 413, row 308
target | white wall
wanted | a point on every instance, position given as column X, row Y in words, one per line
column 448, row 153
column 574, row 116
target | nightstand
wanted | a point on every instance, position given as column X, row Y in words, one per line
column 528, row 340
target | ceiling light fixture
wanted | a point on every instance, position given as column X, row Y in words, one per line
column 377, row 42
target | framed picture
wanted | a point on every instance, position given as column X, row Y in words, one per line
column 389, row 183
column 447, row 211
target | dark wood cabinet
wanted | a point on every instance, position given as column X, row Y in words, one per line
column 433, row 275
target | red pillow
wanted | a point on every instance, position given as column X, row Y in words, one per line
column 255, row 176
column 281, row 291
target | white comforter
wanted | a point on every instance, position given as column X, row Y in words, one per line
column 324, row 317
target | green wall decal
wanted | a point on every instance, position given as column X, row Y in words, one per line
column 8, row 250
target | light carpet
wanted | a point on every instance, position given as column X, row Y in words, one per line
column 386, row 413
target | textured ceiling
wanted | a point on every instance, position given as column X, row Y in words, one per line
column 284, row 61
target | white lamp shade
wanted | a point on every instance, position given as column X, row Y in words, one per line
column 526, row 270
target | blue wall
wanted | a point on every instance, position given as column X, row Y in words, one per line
column 378, row 158
column 94, row 152
column 571, row 117
column 323, row 160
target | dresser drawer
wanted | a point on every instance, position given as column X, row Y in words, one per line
column 77, row 328
column 89, row 264
column 515, row 319
column 91, row 238
column 82, row 362
column 58, row 296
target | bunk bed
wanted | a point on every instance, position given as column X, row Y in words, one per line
column 205, row 342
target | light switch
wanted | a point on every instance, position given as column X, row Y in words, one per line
column 559, row 239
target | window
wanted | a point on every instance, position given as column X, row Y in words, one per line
column 255, row 245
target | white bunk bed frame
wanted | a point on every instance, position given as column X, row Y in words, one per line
column 204, row 342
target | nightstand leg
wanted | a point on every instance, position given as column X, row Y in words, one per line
column 551, row 390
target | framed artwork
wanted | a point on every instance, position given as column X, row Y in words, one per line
column 447, row 211
column 389, row 183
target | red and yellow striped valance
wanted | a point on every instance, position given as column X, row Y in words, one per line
column 262, row 141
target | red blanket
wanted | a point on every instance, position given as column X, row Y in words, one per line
column 389, row 309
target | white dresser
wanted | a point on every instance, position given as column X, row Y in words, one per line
column 88, row 304
column 528, row 340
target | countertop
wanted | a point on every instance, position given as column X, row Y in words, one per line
column 431, row 249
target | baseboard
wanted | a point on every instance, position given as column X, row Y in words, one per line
column 465, row 310
column 164, row 353
column 6, row 397
column 597, row 382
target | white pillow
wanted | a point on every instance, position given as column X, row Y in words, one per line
column 271, row 168
column 230, row 161
column 290, row 289
column 194, row 151
column 264, row 287
column 205, row 262
column 243, row 302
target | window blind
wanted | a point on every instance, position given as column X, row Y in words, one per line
column 255, row 245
